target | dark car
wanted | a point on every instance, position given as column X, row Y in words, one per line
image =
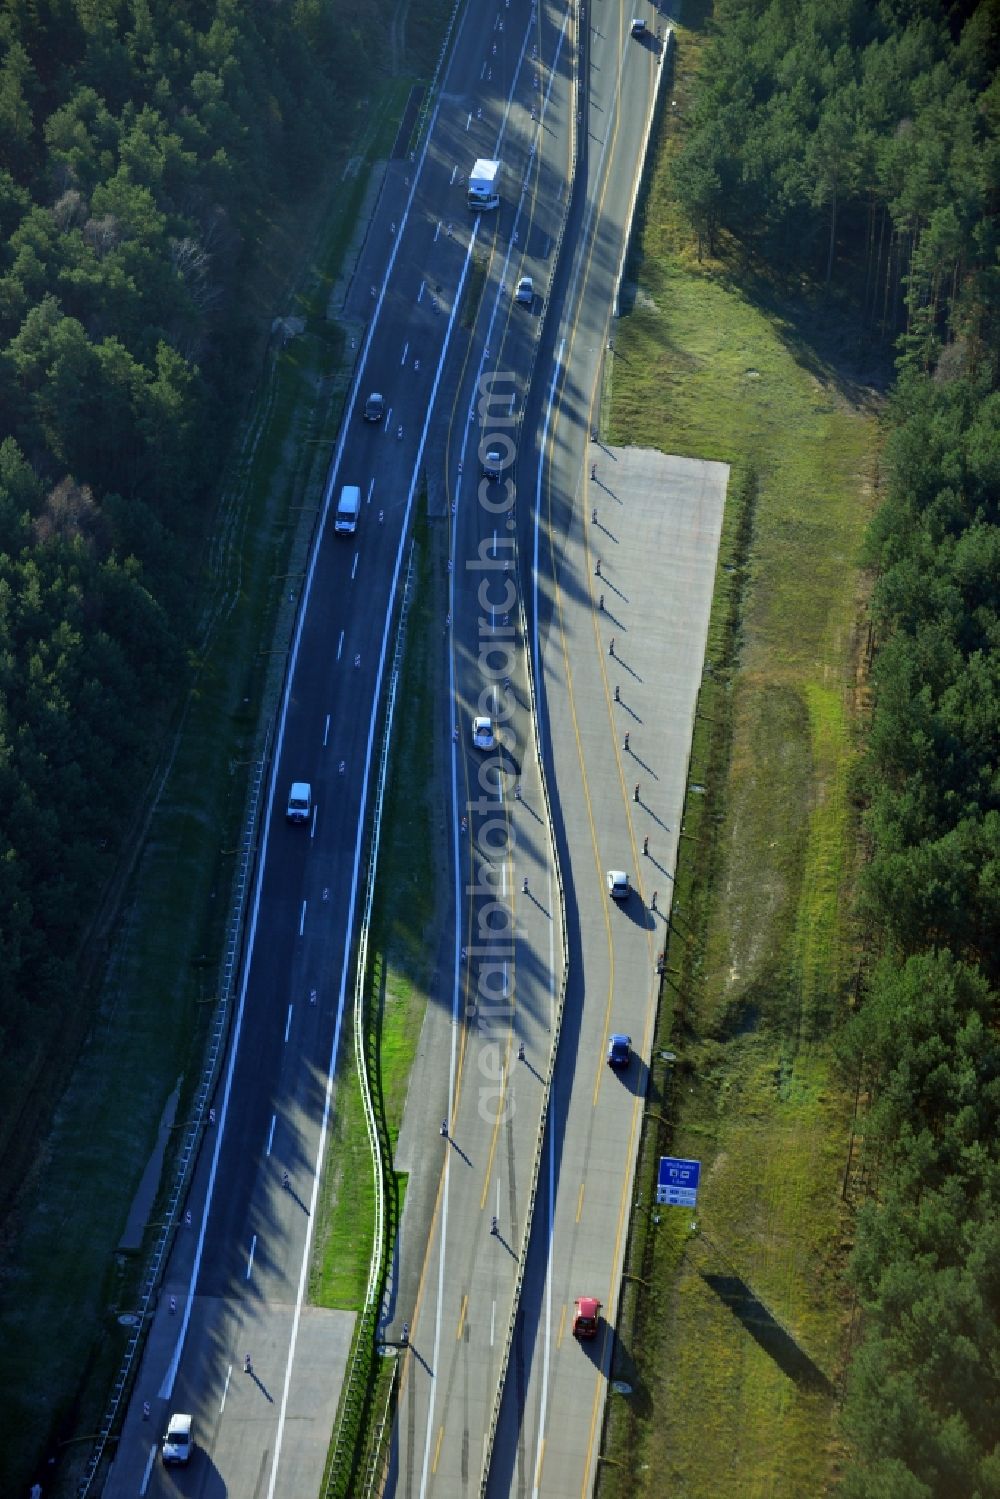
column 374, row 407
column 619, row 1052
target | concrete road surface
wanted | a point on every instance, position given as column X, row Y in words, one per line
column 238, row 1276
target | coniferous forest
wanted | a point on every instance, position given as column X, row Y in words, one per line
column 142, row 145
column 852, row 146
column 856, row 146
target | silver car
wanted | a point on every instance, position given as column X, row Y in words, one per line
column 483, row 736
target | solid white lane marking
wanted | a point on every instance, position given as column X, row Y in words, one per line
column 366, row 779
column 270, row 1133
column 225, row 1389
column 170, row 1376
column 547, row 1319
column 326, row 731
column 302, row 919
column 253, row 1251
column 288, row 1024
column 536, row 539
column 149, row 1470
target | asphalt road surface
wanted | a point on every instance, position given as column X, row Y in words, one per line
column 627, row 560
column 237, row 1280
column 463, row 1288
column 464, row 1225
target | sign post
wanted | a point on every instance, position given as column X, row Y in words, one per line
column 677, row 1182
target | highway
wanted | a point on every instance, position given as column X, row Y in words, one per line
column 238, row 1277
column 550, row 1421
column 236, row 1283
column 462, row 1239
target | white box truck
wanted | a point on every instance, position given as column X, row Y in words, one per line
column 348, row 510
column 484, row 185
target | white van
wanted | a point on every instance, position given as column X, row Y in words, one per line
column 299, row 802
column 177, row 1441
column 348, row 510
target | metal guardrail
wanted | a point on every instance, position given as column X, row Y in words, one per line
column 376, row 1470
column 246, row 871
column 246, row 868
column 640, row 176
column 194, row 1128
column 356, row 1385
column 536, row 1165
column 356, row 1388
column 231, row 960
column 420, row 124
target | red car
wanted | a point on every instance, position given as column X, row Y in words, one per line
column 586, row 1317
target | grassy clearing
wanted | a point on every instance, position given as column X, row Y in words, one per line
column 62, row 1282
column 401, row 954
column 474, row 287
column 741, row 1319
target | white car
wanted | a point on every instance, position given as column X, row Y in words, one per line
column 299, row 807
column 525, row 293
column 482, row 734
column 618, row 884
column 638, row 26
column 493, row 464
column 177, row 1441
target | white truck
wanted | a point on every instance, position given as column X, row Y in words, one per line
column 348, row 510
column 484, row 185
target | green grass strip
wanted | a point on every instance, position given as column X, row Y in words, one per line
column 760, row 953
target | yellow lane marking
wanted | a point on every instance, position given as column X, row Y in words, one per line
column 579, row 1203
column 461, row 1318
column 425, row 1265
column 541, row 1459
column 599, row 1375
column 500, row 1113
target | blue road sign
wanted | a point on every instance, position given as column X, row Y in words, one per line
column 677, row 1182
